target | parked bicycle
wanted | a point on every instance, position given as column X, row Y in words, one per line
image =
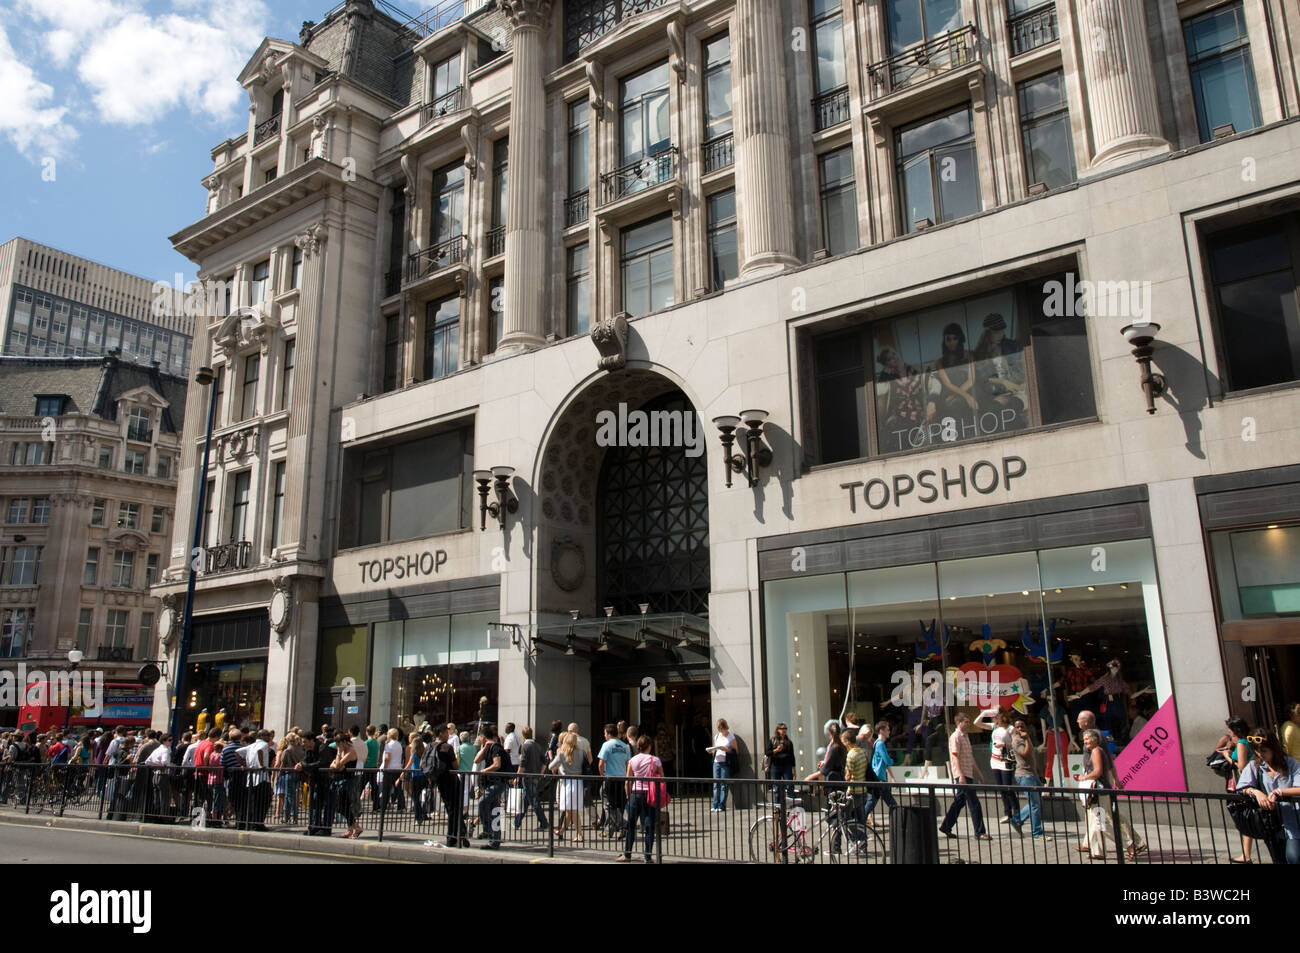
column 787, row 836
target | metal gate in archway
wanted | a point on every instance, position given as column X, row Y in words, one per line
column 653, row 525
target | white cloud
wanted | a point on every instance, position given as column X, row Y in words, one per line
column 137, row 65
column 27, row 118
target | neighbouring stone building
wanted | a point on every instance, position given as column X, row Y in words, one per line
column 986, row 313
column 89, row 452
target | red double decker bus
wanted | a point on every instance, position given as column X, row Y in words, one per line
column 124, row 703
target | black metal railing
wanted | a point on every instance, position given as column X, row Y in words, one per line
column 444, row 105
column 266, row 129
column 424, row 263
column 496, row 241
column 227, row 557
column 114, row 653
column 1032, row 29
column 762, row 821
column 719, row 153
column 831, row 108
column 577, row 208
column 638, row 176
column 586, row 21
column 939, row 54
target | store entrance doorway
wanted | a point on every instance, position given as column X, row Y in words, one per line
column 675, row 713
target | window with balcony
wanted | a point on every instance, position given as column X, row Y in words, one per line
column 286, row 373
column 979, row 367
column 1223, row 80
column 91, row 575
column 139, row 426
column 277, row 504
column 135, row 462
column 239, row 502
column 1045, row 130
column 937, row 173
column 724, row 253
column 392, row 341
column 17, row 629
column 445, row 85
column 448, row 225
column 645, row 135
column 577, row 203
column 647, row 266
column 248, row 398
column 926, row 37
column 830, row 74
column 128, row 515
column 123, row 569
column 115, row 629
column 1256, row 295
column 500, row 178
column 441, row 337
column 407, row 490
column 1031, row 24
column 839, row 201
column 719, row 143
column 496, row 294
column 97, row 512
column 578, row 290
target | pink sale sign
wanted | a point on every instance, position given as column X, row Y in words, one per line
column 1153, row 760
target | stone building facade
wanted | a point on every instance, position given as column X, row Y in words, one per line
column 730, row 358
column 89, row 454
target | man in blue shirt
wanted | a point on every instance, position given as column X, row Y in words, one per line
column 612, row 758
column 232, row 767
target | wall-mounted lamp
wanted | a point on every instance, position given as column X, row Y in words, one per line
column 754, row 454
column 498, row 478
column 1140, row 337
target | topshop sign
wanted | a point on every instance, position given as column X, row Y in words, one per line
column 410, row 566
column 982, row 477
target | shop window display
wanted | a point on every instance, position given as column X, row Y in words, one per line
column 434, row 669
column 917, row 645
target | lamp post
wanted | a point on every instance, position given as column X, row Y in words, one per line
column 204, row 377
column 74, row 659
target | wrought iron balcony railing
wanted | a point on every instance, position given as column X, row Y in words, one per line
column 948, row 51
column 443, row 255
column 1032, row 29
column 586, row 21
column 496, row 241
column 228, row 557
column 831, row 109
column 719, row 153
column 444, row 105
column 638, row 176
column 577, row 208
column 265, row 130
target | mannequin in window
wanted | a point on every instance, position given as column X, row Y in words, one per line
column 1078, row 677
column 201, row 725
column 1112, row 714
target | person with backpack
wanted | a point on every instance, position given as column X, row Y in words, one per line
column 645, row 798
column 440, row 767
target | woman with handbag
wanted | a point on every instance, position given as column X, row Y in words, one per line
column 1102, row 775
column 645, row 798
column 568, row 764
column 1271, row 777
column 1238, row 751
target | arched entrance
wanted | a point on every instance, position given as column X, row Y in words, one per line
column 623, row 522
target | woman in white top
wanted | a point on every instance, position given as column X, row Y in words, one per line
column 724, row 742
column 390, row 767
column 1003, row 762
column 568, row 764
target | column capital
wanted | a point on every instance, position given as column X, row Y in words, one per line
column 533, row 14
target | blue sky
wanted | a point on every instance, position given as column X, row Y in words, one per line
column 121, row 102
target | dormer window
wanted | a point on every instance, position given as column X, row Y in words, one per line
column 139, row 425
column 277, row 104
column 51, row 405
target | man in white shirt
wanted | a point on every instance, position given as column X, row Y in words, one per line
column 257, row 758
column 512, row 743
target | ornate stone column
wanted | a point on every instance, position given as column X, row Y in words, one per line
column 526, row 240
column 1120, row 84
column 763, row 177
